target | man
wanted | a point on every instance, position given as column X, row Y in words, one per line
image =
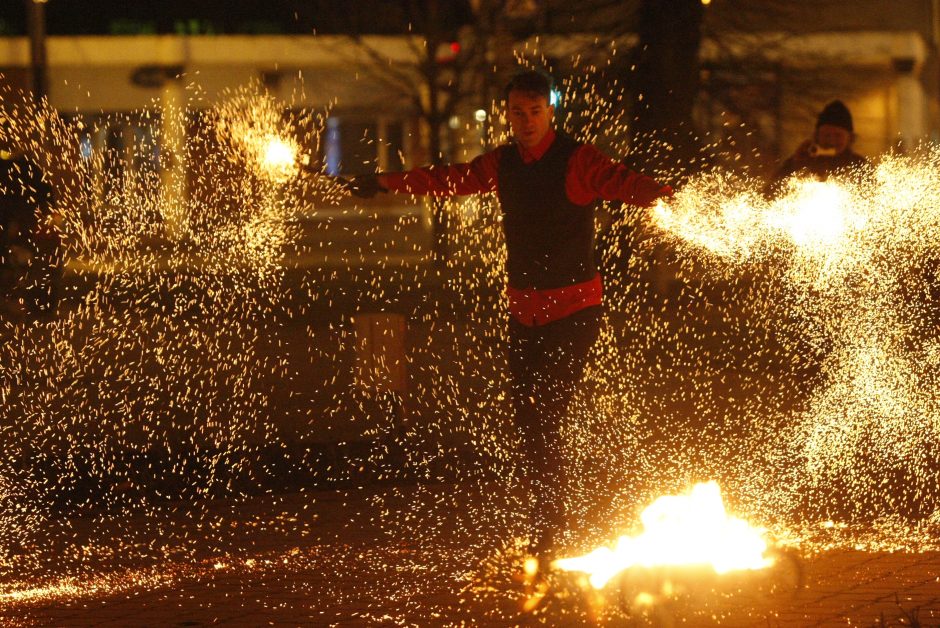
column 547, row 185
column 828, row 152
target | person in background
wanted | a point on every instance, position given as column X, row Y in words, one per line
column 828, row 152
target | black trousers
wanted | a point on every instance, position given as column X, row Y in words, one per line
column 546, row 363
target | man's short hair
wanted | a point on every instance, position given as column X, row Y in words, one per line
column 530, row 82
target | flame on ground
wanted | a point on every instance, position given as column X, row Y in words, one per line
column 680, row 530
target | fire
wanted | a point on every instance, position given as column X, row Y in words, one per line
column 821, row 219
column 815, row 214
column 278, row 157
column 680, row 530
column 257, row 126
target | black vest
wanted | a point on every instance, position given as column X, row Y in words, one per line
column 550, row 240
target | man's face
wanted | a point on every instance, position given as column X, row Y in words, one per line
column 530, row 117
column 833, row 137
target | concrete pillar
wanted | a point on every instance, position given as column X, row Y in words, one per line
column 173, row 157
column 381, row 362
column 911, row 104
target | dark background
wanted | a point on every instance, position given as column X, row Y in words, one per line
column 115, row 17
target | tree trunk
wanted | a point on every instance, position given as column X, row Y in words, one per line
column 36, row 19
column 667, row 81
column 439, row 222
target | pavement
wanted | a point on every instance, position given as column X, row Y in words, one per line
column 413, row 552
column 406, row 555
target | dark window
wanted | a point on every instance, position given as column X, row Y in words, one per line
column 352, row 145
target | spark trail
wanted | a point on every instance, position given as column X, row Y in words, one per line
column 852, row 257
column 193, row 367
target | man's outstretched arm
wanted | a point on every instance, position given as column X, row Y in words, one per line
column 593, row 175
column 476, row 177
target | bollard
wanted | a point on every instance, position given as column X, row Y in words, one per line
column 381, row 369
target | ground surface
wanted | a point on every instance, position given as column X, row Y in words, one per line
column 329, row 558
column 411, row 551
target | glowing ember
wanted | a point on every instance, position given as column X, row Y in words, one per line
column 76, row 588
column 680, row 530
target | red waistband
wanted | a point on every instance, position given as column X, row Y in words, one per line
column 532, row 307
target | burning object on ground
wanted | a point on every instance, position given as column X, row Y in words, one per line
column 692, row 530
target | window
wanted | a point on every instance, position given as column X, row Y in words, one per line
column 129, row 147
column 359, row 145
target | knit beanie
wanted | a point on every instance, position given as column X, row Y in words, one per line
column 836, row 114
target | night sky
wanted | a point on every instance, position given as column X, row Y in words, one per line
column 221, row 16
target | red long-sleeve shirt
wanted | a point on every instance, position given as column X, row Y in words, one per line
column 591, row 175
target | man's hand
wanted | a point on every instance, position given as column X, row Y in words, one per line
column 364, row 185
column 802, row 156
column 649, row 191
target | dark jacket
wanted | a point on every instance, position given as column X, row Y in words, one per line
column 549, row 239
column 801, row 163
